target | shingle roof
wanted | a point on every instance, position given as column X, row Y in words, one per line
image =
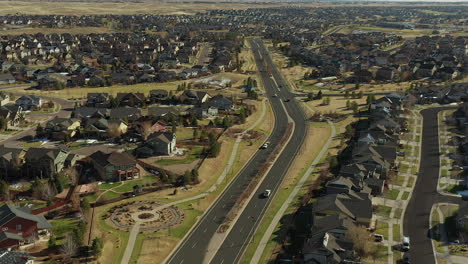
column 113, row 158
column 8, row 212
column 12, row 257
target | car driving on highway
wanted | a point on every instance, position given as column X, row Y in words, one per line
column 265, row 145
column 266, row 193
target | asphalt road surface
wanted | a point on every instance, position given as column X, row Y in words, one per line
column 416, row 221
column 194, row 248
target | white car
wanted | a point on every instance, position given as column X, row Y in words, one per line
column 406, row 244
column 266, row 193
column 264, row 146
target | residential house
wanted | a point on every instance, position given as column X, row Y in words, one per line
column 11, row 160
column 115, row 166
column 220, row 102
column 7, row 78
column 194, row 98
column 158, row 96
column 125, row 113
column 164, row 112
column 100, row 100
column 13, row 257
column 45, row 162
column 19, row 226
column 13, row 113
column 29, row 102
column 356, row 206
column 62, row 128
column 158, row 144
column 99, row 127
column 131, row 99
column 4, row 98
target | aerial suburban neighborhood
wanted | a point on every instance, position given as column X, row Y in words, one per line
column 315, row 132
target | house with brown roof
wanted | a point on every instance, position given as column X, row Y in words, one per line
column 115, row 166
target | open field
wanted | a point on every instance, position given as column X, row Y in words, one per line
column 71, row 30
column 406, row 33
column 100, row 8
column 80, row 93
column 155, row 7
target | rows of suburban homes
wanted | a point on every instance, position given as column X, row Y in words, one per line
column 366, row 164
column 56, row 61
column 363, row 58
column 97, row 118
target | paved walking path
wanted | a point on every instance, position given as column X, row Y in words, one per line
column 135, row 229
column 264, row 240
column 131, row 243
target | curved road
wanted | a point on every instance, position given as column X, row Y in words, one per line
column 416, row 221
column 194, row 248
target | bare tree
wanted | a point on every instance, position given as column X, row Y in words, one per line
column 114, row 131
column 69, row 247
column 72, row 174
column 145, row 129
column 361, row 243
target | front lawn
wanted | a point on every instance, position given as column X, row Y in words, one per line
column 194, row 154
column 382, row 229
column 392, row 194
column 405, row 196
column 383, row 210
column 396, row 233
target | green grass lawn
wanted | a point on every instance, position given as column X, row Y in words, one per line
column 405, row 196
column 191, row 156
column 410, row 182
column 434, row 218
column 183, row 133
column 91, row 198
column 110, row 195
column 61, row 228
column 392, row 194
column 404, row 167
column 107, row 186
column 382, row 229
column 444, row 173
column 454, row 188
column 396, row 232
column 399, row 180
column 383, row 210
column 77, row 145
column 127, row 187
column 398, row 212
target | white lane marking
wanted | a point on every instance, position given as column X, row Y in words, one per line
column 222, row 261
column 194, row 244
column 182, row 261
column 204, row 231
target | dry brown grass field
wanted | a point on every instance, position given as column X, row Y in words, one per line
column 150, row 7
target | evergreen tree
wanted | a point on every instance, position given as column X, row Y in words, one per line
column 319, row 95
column 97, row 246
